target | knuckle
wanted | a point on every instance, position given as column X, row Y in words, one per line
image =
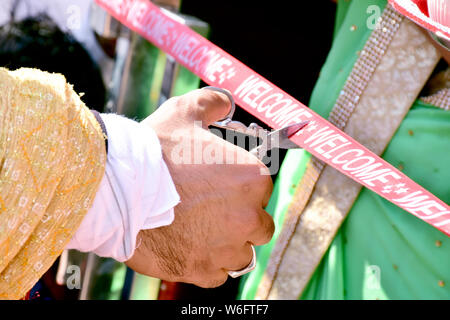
column 214, row 282
column 260, row 222
column 257, row 226
column 269, row 230
column 249, row 223
column 176, row 101
column 254, row 168
column 266, row 179
column 220, row 281
column 267, row 227
column 263, row 170
column 259, row 169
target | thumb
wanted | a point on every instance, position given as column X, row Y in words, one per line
column 206, row 105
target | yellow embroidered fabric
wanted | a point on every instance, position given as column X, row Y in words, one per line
column 52, row 159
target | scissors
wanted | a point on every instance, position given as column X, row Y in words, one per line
column 270, row 139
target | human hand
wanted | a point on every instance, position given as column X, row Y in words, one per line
column 221, row 211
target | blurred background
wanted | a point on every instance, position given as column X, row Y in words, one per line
column 119, row 71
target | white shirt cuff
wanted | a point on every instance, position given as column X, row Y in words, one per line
column 136, row 193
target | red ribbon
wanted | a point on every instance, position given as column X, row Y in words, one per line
column 417, row 11
column 277, row 109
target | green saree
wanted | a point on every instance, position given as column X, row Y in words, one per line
column 380, row 251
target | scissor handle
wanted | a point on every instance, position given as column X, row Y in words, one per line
column 228, row 94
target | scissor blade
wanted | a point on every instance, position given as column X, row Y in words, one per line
column 280, row 138
column 293, row 129
column 238, row 127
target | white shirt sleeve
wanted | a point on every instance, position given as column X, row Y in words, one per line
column 136, row 192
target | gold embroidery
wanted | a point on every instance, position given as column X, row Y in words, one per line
column 45, row 130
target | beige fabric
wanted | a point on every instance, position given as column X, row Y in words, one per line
column 350, row 96
column 52, row 159
column 395, row 84
column 441, row 99
column 439, row 90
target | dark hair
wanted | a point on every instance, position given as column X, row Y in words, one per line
column 37, row 42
